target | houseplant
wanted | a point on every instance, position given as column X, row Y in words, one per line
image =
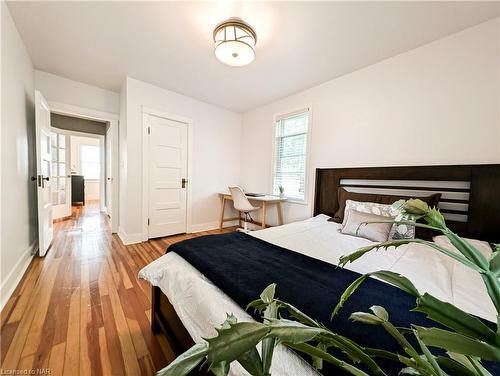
column 466, row 341
column 281, row 190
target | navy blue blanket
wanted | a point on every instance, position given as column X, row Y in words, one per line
column 242, row 266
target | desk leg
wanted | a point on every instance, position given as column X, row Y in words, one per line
column 264, row 206
column 223, row 203
column 280, row 213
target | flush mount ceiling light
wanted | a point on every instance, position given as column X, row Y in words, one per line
column 235, row 42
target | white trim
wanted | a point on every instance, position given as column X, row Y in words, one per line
column 113, row 120
column 281, row 116
column 129, row 238
column 81, row 112
column 214, row 225
column 146, row 111
column 16, row 273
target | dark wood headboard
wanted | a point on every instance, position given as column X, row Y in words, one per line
column 470, row 198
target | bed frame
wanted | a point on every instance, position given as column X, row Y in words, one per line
column 470, row 194
column 470, row 202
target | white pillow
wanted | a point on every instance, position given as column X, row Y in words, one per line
column 397, row 231
column 356, row 225
column 480, row 245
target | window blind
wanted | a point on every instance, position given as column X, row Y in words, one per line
column 90, row 161
column 291, row 154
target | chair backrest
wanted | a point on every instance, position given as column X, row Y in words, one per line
column 240, row 201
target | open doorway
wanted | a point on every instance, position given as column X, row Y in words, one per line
column 56, row 123
column 79, row 171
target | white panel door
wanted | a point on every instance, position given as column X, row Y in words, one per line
column 167, row 176
column 43, row 168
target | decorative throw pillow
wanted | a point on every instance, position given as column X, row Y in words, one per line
column 397, row 231
column 343, row 195
column 356, row 225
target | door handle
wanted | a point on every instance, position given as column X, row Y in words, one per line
column 184, row 182
column 46, row 178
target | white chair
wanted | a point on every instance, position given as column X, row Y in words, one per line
column 242, row 204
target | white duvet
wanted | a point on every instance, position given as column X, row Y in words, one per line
column 201, row 306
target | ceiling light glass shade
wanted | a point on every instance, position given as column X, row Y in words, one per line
column 235, row 42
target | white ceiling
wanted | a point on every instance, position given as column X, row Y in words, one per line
column 169, row 44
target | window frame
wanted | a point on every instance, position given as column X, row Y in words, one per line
column 283, row 115
column 81, row 162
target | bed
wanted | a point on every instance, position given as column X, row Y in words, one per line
column 188, row 304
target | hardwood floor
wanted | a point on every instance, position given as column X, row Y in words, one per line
column 81, row 310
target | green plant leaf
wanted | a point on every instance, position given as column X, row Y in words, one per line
column 355, row 352
column 409, row 371
column 220, row 369
column 380, row 312
column 468, row 250
column 434, row 218
column 315, row 352
column 348, row 292
column 393, row 278
column 366, row 318
column 267, row 295
column 478, row 367
column 299, row 315
column 454, row 367
column 430, row 358
column 271, row 312
column 470, row 363
column 185, row 362
column 258, row 305
column 495, row 263
column 233, row 342
column 316, row 361
column 251, row 361
column 382, row 354
column 454, row 318
column 290, row 331
column 458, row 343
column 493, row 288
column 397, row 243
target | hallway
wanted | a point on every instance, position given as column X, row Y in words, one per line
column 81, row 310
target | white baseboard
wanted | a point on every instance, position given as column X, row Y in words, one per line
column 14, row 277
column 138, row 238
column 211, row 226
column 129, row 238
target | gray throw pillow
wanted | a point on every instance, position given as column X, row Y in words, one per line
column 377, row 232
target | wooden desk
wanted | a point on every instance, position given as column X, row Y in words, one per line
column 262, row 201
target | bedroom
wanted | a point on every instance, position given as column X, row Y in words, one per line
column 368, row 85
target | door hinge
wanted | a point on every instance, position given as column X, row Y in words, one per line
column 148, row 221
column 149, row 130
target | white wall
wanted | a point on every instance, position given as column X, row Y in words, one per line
column 215, row 158
column 59, row 89
column 91, row 186
column 18, row 201
column 437, row 104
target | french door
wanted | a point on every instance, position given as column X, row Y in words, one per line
column 61, row 176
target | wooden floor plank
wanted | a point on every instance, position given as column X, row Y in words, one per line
column 81, row 310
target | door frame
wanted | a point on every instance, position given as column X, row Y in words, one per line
column 102, row 154
column 113, row 120
column 146, row 111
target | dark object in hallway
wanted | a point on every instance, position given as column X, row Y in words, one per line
column 77, row 189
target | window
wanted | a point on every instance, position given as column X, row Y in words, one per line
column 90, row 161
column 290, row 154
